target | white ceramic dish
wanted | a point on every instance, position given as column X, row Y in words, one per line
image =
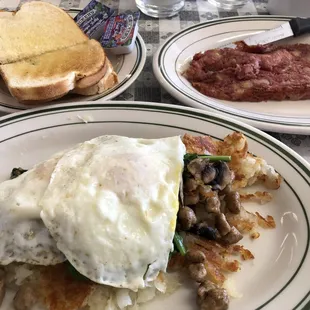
column 278, row 278
column 128, row 67
column 172, row 57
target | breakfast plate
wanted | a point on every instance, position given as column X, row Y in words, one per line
column 127, row 67
column 174, row 55
column 278, row 276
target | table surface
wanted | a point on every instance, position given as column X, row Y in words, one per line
column 155, row 32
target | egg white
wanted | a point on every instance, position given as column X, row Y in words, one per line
column 111, row 206
column 24, row 237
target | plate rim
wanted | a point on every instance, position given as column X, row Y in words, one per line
column 268, row 123
column 290, row 154
column 109, row 94
column 156, row 106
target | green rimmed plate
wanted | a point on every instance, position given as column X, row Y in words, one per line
column 278, row 277
column 173, row 56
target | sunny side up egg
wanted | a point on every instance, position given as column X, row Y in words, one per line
column 112, row 204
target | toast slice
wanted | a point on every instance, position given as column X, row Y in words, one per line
column 52, row 75
column 38, row 27
column 106, row 82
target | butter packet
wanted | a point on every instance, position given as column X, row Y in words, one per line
column 120, row 32
column 93, row 18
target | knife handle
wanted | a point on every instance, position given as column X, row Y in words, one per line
column 300, row 26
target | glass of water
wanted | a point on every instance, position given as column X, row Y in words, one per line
column 228, row 4
column 160, row 8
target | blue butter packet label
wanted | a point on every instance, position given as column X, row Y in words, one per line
column 93, row 18
column 120, row 30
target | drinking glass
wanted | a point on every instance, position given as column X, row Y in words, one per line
column 228, row 4
column 160, row 8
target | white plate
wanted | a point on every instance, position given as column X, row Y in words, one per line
column 278, row 278
column 128, row 67
column 177, row 51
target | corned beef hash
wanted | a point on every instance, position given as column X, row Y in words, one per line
column 252, row 73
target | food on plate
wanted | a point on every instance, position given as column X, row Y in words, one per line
column 252, row 73
column 124, row 239
column 44, row 63
column 108, row 80
column 24, row 237
column 52, row 75
column 16, row 172
column 211, row 217
column 98, row 224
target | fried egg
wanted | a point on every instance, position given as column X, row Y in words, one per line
column 24, row 237
column 111, row 206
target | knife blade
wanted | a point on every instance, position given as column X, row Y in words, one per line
column 293, row 28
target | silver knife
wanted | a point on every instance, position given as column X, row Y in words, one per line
column 293, row 28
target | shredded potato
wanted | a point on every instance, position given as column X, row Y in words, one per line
column 247, row 222
column 259, row 197
column 267, row 222
column 220, row 259
column 248, row 169
column 56, row 289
